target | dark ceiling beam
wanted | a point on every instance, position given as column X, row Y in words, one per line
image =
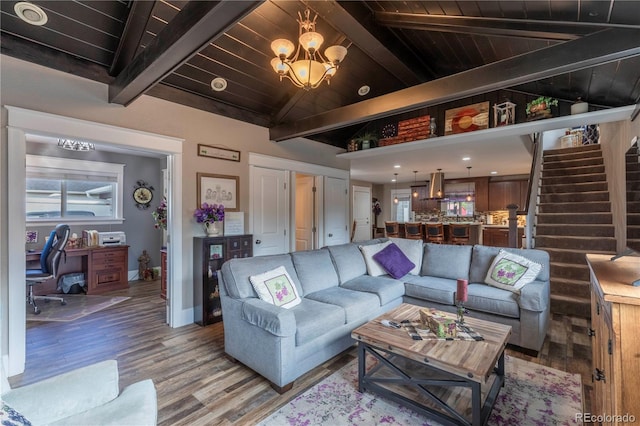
column 602, row 47
column 194, row 26
column 179, row 96
column 47, row 57
column 526, row 28
column 134, row 29
column 345, row 23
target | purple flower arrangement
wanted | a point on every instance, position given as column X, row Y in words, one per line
column 208, row 213
column 160, row 215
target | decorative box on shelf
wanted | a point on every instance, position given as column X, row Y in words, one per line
column 442, row 326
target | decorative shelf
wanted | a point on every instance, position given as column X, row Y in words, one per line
column 595, row 117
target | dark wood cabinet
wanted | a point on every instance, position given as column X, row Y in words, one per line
column 163, row 274
column 499, row 237
column 108, row 269
column 503, row 193
column 482, row 194
column 420, row 204
column 209, row 253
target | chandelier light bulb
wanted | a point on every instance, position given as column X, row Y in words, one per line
column 311, row 41
column 282, row 47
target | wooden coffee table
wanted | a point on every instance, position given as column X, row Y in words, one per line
column 455, row 382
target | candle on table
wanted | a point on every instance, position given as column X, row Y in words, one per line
column 461, row 293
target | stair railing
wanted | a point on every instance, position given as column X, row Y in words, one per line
column 532, row 190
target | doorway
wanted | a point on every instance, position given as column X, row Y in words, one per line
column 22, row 122
column 362, row 213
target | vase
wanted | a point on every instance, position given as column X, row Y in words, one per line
column 212, row 228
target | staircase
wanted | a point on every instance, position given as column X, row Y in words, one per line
column 574, row 218
column 633, row 196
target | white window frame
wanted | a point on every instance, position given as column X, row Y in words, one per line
column 400, row 193
column 68, row 166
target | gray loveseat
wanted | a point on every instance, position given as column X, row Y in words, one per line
column 337, row 295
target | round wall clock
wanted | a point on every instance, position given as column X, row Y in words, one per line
column 142, row 194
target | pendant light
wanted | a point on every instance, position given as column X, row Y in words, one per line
column 469, row 197
column 415, row 184
column 395, row 198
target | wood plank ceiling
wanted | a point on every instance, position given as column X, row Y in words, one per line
column 414, row 55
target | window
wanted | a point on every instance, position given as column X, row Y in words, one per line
column 73, row 190
column 455, row 202
column 400, row 211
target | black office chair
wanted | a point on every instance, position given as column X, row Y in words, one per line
column 49, row 261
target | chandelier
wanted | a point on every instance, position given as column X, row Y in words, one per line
column 307, row 69
column 73, row 145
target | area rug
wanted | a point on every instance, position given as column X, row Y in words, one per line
column 532, row 395
column 78, row 306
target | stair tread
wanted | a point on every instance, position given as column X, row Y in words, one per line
column 569, row 264
column 572, row 298
column 564, row 250
column 571, row 281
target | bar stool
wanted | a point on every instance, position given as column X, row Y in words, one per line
column 435, row 233
column 459, row 234
column 413, row 230
column 392, row 229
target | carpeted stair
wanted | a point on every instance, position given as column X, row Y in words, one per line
column 633, row 196
column 574, row 218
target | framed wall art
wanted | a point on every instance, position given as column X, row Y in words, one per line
column 219, row 153
column 218, row 189
column 466, row 119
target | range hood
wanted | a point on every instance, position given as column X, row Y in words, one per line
column 436, row 185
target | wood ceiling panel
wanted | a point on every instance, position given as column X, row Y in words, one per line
column 627, row 80
column 469, row 8
column 561, row 10
column 107, row 17
column 55, row 40
column 181, row 81
column 625, row 12
column 513, row 9
column 594, row 11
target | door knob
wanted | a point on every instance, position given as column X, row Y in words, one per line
column 258, row 241
column 330, row 235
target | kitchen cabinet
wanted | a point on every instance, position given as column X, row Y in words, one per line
column 209, row 253
column 421, row 204
column 481, row 194
column 615, row 314
column 505, row 192
column 499, row 237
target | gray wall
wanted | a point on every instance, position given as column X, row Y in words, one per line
column 138, row 224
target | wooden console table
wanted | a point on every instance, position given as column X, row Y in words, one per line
column 105, row 268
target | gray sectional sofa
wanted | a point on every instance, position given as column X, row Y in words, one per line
column 338, row 294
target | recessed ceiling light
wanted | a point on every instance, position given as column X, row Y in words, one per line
column 494, row 172
column 466, row 158
column 393, row 180
column 396, row 166
column 218, row 84
column 30, row 13
column 364, row 90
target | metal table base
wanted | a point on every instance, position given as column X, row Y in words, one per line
column 404, row 377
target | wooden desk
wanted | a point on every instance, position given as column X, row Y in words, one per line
column 105, row 268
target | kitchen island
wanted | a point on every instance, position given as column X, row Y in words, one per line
column 480, row 233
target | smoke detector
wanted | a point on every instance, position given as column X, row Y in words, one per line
column 30, row 13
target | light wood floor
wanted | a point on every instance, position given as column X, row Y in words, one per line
column 196, row 383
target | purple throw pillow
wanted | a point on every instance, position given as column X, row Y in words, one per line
column 394, row 261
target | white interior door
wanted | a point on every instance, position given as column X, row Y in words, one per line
column 305, row 208
column 336, row 211
column 362, row 212
column 269, row 211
